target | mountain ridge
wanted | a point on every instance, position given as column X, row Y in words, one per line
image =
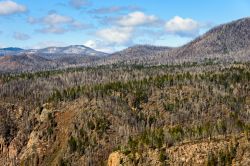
column 228, row 42
column 71, row 49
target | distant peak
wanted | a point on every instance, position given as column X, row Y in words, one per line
column 11, row 49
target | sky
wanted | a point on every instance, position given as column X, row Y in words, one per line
column 111, row 25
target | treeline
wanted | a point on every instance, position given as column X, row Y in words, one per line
column 6, row 77
column 224, row 78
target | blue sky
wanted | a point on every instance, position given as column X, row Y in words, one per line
column 110, row 25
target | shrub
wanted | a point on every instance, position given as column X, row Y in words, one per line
column 72, row 144
column 176, row 133
column 162, row 157
column 91, row 125
column 169, row 107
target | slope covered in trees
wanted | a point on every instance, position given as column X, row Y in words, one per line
column 133, row 114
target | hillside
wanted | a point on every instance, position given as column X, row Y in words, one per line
column 59, row 52
column 127, row 115
column 145, row 105
column 10, row 51
column 19, row 60
column 25, row 63
column 133, row 55
column 225, row 39
column 226, row 43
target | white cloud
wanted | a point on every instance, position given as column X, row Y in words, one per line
column 123, row 31
column 185, row 27
column 10, row 7
column 90, row 43
column 137, row 18
column 116, row 35
column 54, row 18
column 21, row 36
column 99, row 46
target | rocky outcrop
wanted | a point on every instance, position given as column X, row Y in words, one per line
column 190, row 153
column 115, row 159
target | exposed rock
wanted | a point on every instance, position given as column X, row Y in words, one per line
column 115, row 159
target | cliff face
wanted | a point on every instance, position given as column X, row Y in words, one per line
column 13, row 132
column 197, row 152
column 43, row 146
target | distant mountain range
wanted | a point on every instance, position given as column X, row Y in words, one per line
column 17, row 59
column 225, row 43
column 54, row 52
column 10, row 51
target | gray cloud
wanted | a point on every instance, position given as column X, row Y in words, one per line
column 52, row 29
column 76, row 25
column 33, row 20
column 55, row 19
column 57, row 23
column 113, row 9
column 21, row 36
column 78, row 4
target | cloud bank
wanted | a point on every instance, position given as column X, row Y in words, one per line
column 10, row 7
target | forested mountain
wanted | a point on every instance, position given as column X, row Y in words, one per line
column 54, row 52
column 224, row 39
column 145, row 105
column 18, row 60
column 228, row 42
column 57, row 52
column 10, row 51
column 130, row 115
column 24, row 62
